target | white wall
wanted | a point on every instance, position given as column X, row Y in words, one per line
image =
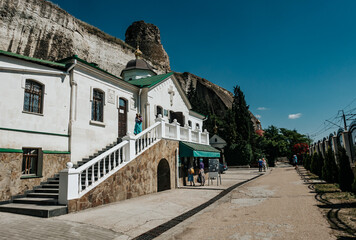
column 55, row 106
column 159, row 96
column 88, row 138
column 195, row 121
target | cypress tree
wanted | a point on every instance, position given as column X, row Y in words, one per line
column 330, row 169
column 314, row 163
column 244, row 128
column 346, row 176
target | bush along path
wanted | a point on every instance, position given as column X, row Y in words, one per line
column 339, row 207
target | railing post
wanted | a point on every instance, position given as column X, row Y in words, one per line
column 206, row 136
column 199, row 135
column 68, row 184
column 189, row 134
column 177, row 129
column 131, row 147
column 162, row 127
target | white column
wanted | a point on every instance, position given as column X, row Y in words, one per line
column 177, row 129
column 207, row 136
column 162, row 127
column 131, row 148
column 68, row 184
column 189, row 134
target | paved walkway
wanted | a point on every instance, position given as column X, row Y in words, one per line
column 275, row 206
column 121, row 220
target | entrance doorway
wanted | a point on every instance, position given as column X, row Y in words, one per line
column 177, row 115
column 122, row 117
column 163, row 176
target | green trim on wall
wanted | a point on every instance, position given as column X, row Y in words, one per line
column 35, row 132
column 9, row 150
column 55, row 152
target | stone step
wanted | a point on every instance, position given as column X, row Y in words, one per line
column 46, row 190
column 50, row 185
column 34, row 210
column 37, row 201
column 43, row 195
column 52, row 182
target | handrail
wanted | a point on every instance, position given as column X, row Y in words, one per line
column 146, row 130
column 101, row 156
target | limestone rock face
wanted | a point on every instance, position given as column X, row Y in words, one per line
column 148, row 37
column 38, row 28
column 217, row 98
column 41, row 29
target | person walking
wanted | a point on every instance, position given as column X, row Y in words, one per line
column 138, row 124
column 190, row 176
column 201, row 172
column 295, row 161
column 264, row 164
column 260, row 163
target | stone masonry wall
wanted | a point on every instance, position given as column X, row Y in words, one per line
column 137, row 178
column 11, row 183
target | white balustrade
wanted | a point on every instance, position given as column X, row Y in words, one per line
column 74, row 183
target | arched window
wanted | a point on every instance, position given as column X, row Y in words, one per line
column 189, row 123
column 97, row 106
column 197, row 126
column 33, row 101
column 159, row 110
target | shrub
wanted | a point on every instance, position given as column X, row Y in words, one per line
column 307, row 162
column 315, row 166
column 346, row 176
column 330, row 169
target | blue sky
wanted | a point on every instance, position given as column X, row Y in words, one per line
column 294, row 60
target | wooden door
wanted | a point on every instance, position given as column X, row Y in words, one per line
column 122, row 117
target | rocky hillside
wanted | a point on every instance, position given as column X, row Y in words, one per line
column 41, row 29
column 38, row 28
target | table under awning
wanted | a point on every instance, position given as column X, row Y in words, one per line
column 187, row 149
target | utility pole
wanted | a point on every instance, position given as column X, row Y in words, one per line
column 343, row 116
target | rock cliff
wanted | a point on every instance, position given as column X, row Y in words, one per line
column 38, row 28
column 41, row 29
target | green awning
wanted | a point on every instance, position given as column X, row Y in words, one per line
column 187, row 149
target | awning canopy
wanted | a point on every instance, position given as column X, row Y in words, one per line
column 187, row 149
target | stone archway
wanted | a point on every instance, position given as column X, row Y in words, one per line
column 163, row 176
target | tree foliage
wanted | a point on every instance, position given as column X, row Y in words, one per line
column 346, row 176
column 330, row 169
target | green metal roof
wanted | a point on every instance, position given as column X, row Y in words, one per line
column 34, row 60
column 93, row 65
column 187, row 149
column 150, row 81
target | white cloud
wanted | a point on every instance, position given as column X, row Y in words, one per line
column 258, row 116
column 294, row 116
column 262, row 108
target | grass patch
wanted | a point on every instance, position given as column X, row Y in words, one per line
column 328, row 187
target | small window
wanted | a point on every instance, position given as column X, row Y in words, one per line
column 197, row 126
column 159, row 110
column 33, row 101
column 97, row 106
column 166, row 112
column 32, row 161
column 190, row 123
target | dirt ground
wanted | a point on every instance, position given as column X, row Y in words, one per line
column 278, row 205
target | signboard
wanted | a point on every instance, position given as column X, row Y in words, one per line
column 213, row 168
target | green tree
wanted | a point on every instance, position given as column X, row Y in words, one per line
column 330, row 169
column 346, row 176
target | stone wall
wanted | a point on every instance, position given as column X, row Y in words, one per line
column 12, row 184
column 137, row 178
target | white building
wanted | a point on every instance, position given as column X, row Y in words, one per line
column 55, row 112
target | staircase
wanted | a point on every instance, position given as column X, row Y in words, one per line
column 42, row 201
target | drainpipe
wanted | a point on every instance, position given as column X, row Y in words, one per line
column 73, row 85
column 139, row 100
column 177, row 167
